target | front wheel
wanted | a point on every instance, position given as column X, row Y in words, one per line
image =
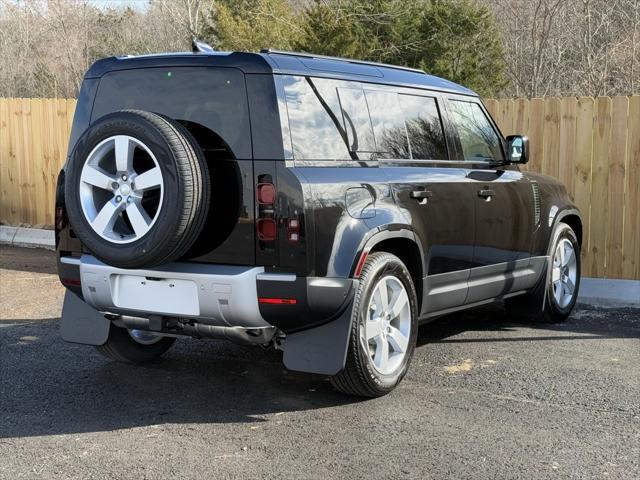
column 134, row 346
column 564, row 276
column 562, row 281
column 384, row 329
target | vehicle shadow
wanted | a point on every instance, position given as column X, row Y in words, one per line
column 586, row 322
column 49, row 387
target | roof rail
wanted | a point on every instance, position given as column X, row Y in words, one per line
column 339, row 59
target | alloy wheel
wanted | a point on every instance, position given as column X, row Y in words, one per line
column 121, row 189
column 564, row 273
column 388, row 324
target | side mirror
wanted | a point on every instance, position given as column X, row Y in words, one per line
column 517, row 149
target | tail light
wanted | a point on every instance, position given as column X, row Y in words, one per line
column 266, row 194
column 293, row 230
column 267, row 229
column 60, row 218
column 266, row 226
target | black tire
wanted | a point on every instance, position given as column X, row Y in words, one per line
column 360, row 377
column 553, row 312
column 186, row 184
column 528, row 305
column 122, row 348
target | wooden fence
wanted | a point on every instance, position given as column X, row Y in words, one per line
column 591, row 145
column 34, row 133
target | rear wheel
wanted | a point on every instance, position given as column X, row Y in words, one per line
column 134, row 346
column 384, row 329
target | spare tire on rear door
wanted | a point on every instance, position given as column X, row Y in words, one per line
column 137, row 189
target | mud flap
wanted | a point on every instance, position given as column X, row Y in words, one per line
column 81, row 323
column 532, row 303
column 322, row 349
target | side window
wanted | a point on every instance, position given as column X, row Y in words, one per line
column 388, row 124
column 315, row 119
column 424, row 127
column 478, row 139
column 356, row 120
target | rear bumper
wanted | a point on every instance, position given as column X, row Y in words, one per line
column 223, row 302
column 213, row 294
column 219, row 295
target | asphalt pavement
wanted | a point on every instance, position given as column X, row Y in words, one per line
column 487, row 396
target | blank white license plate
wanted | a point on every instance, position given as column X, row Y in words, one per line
column 163, row 296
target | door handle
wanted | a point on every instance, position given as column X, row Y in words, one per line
column 421, row 196
column 486, row 194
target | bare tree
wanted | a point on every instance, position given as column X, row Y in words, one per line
column 47, row 45
column 570, row 47
column 552, row 47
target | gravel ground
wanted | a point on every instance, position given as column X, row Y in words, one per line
column 486, row 397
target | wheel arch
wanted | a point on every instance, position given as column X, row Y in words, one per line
column 402, row 244
column 570, row 216
column 575, row 222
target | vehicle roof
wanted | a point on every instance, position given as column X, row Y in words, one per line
column 290, row 63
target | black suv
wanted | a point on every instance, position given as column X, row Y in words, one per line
column 322, row 206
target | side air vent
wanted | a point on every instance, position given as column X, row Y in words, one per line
column 537, row 206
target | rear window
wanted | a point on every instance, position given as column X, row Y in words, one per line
column 388, row 124
column 424, row 127
column 212, row 97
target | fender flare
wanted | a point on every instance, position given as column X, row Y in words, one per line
column 382, row 233
column 556, row 215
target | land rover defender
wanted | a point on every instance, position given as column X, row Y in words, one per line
column 318, row 205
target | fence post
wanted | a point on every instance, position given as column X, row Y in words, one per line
column 615, row 196
column 631, row 223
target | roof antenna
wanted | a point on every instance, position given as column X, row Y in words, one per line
column 198, row 46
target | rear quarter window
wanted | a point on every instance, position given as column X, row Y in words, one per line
column 356, row 120
column 315, row 119
column 215, row 98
